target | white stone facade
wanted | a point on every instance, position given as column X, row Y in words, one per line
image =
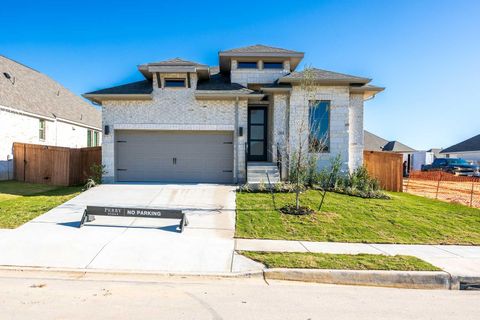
column 19, row 126
column 257, row 76
column 178, row 109
column 346, row 123
column 174, row 109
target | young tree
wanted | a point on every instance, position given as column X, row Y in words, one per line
column 307, row 137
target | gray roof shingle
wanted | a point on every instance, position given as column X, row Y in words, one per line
column 220, row 83
column 373, row 142
column 31, row 91
column 175, row 62
column 139, row 87
column 260, row 48
column 396, row 146
column 472, row 144
column 324, row 75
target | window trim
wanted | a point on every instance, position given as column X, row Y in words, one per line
column 42, row 130
column 89, row 137
column 165, row 80
column 247, row 68
column 265, row 63
column 96, row 140
column 312, row 104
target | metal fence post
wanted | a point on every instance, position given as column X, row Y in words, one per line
column 471, row 193
column 438, row 184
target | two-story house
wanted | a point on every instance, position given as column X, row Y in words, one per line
column 189, row 122
column 36, row 109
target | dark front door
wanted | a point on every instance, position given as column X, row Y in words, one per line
column 257, row 134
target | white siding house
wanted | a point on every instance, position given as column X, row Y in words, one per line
column 36, row 109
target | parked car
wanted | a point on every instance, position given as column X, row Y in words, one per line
column 457, row 166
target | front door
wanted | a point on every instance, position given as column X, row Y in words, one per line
column 257, row 134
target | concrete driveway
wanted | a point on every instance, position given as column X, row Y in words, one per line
column 205, row 246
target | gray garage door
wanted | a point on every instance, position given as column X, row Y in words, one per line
column 174, row 156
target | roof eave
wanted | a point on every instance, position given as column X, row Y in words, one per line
column 326, row 81
column 227, row 96
column 98, row 98
column 368, row 92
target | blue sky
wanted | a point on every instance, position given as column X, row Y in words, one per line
column 426, row 53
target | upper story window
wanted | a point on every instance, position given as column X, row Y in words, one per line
column 247, row 65
column 174, row 83
column 319, row 126
column 273, row 65
column 42, row 129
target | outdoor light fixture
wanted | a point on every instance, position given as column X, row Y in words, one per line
column 106, row 131
column 240, row 131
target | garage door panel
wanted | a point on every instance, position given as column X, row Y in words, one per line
column 199, row 156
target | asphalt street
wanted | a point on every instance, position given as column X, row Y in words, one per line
column 44, row 296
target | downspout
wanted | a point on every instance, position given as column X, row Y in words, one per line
column 287, row 137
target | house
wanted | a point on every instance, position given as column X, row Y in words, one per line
column 375, row 143
column 36, row 109
column 468, row 150
column 190, row 122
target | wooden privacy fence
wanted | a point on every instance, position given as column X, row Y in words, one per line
column 386, row 167
column 54, row 165
column 445, row 186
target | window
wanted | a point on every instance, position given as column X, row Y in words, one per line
column 247, row 65
column 273, row 65
column 174, row 83
column 89, row 138
column 42, row 130
column 319, row 126
column 95, row 139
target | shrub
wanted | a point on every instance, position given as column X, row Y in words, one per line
column 358, row 183
column 96, row 173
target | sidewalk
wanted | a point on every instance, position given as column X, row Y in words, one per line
column 457, row 260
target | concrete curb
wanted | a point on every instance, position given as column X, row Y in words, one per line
column 122, row 275
column 394, row 279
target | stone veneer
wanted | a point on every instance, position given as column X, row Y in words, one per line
column 346, row 123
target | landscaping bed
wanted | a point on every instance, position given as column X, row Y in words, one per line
column 405, row 218
column 339, row 261
column 21, row 202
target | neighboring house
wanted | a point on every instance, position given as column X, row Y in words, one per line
column 36, row 109
column 375, row 143
column 468, row 150
column 188, row 122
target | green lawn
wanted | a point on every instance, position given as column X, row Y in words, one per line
column 21, row 202
column 339, row 261
column 403, row 219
